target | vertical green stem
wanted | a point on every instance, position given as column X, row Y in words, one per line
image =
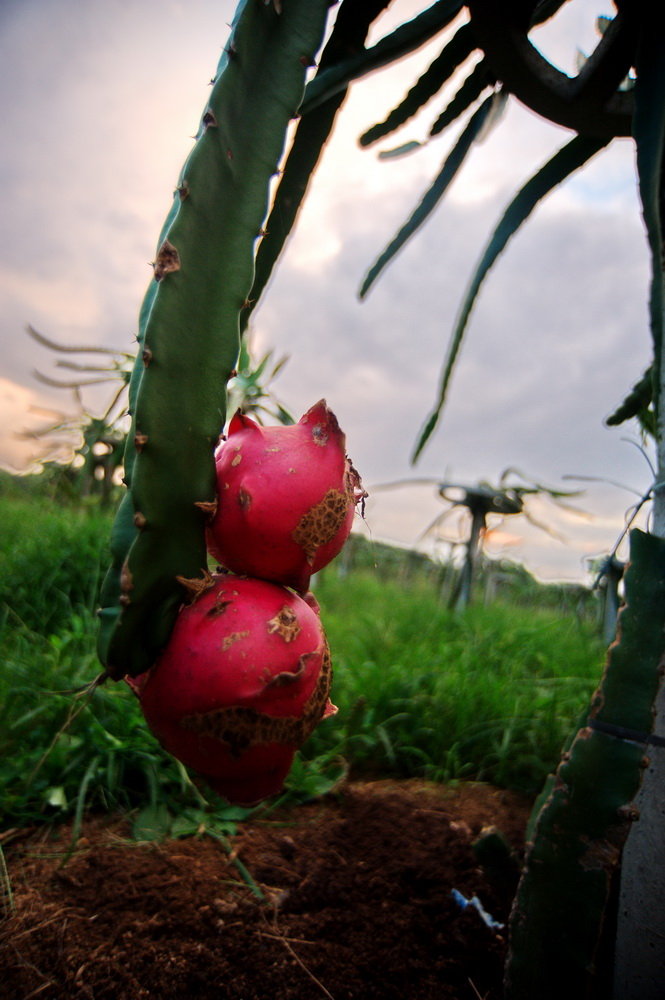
column 581, row 828
column 189, row 325
column 640, row 946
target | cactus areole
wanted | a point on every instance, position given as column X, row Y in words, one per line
column 285, row 498
column 241, row 685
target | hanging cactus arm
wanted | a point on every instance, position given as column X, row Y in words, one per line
column 569, row 158
column 477, row 82
column 189, row 332
column 453, row 54
column 436, row 191
column 404, row 39
column 580, row 829
column 348, row 36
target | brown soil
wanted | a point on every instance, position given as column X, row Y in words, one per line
column 357, row 904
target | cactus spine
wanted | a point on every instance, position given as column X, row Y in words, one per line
column 189, row 325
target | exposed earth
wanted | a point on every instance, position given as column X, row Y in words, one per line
column 356, row 903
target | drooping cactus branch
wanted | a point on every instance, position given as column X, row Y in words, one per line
column 189, row 325
column 347, row 40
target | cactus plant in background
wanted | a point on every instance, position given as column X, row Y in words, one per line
column 97, row 458
column 507, row 499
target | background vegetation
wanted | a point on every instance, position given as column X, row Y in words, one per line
column 490, row 694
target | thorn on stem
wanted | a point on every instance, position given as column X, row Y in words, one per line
column 209, row 508
column 168, row 260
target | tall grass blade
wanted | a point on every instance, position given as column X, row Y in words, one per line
column 80, row 806
column 243, row 870
column 6, row 894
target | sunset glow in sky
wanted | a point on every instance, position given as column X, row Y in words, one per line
column 99, row 103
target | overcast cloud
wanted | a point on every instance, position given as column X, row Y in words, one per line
column 99, row 101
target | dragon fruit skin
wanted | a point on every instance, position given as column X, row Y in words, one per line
column 242, row 683
column 286, row 498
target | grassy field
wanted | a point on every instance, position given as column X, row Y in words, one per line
column 491, row 694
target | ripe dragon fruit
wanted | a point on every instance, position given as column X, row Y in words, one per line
column 286, row 498
column 241, row 685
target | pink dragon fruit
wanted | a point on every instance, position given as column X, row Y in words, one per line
column 286, row 498
column 242, row 683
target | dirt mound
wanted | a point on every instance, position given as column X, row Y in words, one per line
column 356, row 903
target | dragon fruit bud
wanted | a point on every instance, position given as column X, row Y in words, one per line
column 240, row 686
column 286, row 498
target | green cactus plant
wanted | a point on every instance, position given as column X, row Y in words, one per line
column 582, row 819
column 188, row 343
column 189, row 325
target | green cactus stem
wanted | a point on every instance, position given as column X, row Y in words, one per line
column 189, row 325
column 582, row 825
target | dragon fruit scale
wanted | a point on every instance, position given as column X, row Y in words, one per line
column 240, row 686
column 285, row 498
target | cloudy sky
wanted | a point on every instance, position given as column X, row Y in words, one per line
column 99, row 101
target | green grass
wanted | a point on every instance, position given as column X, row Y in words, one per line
column 488, row 695
column 57, row 746
column 52, row 558
column 491, row 694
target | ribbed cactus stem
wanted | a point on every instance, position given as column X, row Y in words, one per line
column 581, row 828
column 639, row 972
column 189, row 326
column 640, row 948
